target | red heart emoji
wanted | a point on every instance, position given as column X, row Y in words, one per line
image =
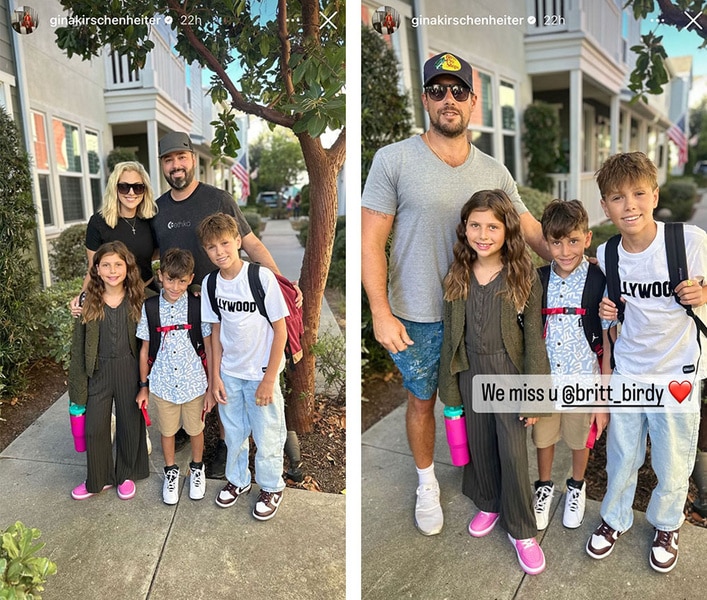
column 681, row 390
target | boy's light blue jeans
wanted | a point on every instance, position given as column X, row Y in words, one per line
column 240, row 416
column 673, row 451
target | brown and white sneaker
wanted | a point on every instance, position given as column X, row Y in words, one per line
column 664, row 553
column 230, row 493
column 267, row 505
column 601, row 542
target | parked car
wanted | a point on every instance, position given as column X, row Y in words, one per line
column 268, row 199
column 700, row 168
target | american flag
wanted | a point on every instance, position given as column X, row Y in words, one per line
column 676, row 134
column 240, row 170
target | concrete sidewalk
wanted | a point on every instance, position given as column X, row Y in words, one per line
column 398, row 562
column 143, row 549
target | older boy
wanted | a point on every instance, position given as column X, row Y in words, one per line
column 575, row 338
column 248, row 356
column 658, row 338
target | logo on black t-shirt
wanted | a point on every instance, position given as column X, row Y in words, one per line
column 178, row 224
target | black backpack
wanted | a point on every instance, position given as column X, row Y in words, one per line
column 152, row 310
column 591, row 297
column 677, row 270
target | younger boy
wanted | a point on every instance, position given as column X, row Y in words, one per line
column 248, row 356
column 658, row 340
column 572, row 290
column 178, row 381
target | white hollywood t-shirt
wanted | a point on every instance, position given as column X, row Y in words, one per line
column 657, row 335
column 246, row 336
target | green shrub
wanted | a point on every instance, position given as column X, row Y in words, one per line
column 534, row 200
column 304, row 204
column 23, row 573
column 337, row 268
column 678, row 195
column 278, row 213
column 542, row 143
column 330, row 353
column 19, row 273
column 68, row 254
column 254, row 221
column 53, row 321
column 303, row 234
column 600, row 234
column 374, row 358
column 118, row 155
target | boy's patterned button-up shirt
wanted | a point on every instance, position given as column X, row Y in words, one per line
column 177, row 375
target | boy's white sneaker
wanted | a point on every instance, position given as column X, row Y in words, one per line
column 429, row 518
column 197, row 481
column 170, row 487
column 575, row 502
column 541, row 505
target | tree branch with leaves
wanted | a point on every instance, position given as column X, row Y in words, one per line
column 649, row 75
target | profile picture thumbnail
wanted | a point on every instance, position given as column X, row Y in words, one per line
column 25, row 19
column 386, row 20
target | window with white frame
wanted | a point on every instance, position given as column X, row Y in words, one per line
column 41, row 165
column 67, row 150
column 481, row 122
column 94, row 169
column 507, row 100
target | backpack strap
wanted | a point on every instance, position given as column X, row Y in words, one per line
column 211, row 292
column 544, row 275
column 152, row 311
column 677, row 268
column 194, row 319
column 613, row 282
column 256, row 288
column 591, row 297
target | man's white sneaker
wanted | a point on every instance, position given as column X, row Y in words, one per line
column 170, row 488
column 575, row 502
column 542, row 503
column 428, row 511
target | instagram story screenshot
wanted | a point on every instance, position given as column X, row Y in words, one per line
column 173, row 258
column 533, row 259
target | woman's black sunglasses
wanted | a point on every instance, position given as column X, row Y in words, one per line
column 138, row 188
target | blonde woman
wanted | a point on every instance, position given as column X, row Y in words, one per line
column 128, row 206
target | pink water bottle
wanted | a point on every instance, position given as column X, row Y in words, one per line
column 77, row 416
column 455, row 424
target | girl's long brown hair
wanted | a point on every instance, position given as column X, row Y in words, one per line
column 93, row 305
column 514, row 254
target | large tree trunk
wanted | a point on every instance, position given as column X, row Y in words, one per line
column 323, row 167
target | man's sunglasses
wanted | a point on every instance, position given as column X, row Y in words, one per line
column 438, row 91
column 138, row 188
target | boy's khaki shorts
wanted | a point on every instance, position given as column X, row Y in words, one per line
column 571, row 427
column 171, row 416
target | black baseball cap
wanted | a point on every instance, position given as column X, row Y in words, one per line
column 177, row 141
column 447, row 63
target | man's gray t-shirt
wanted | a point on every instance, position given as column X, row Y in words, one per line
column 426, row 196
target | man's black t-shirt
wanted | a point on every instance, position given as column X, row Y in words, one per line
column 175, row 223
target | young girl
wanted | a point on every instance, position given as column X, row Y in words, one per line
column 493, row 325
column 104, row 369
